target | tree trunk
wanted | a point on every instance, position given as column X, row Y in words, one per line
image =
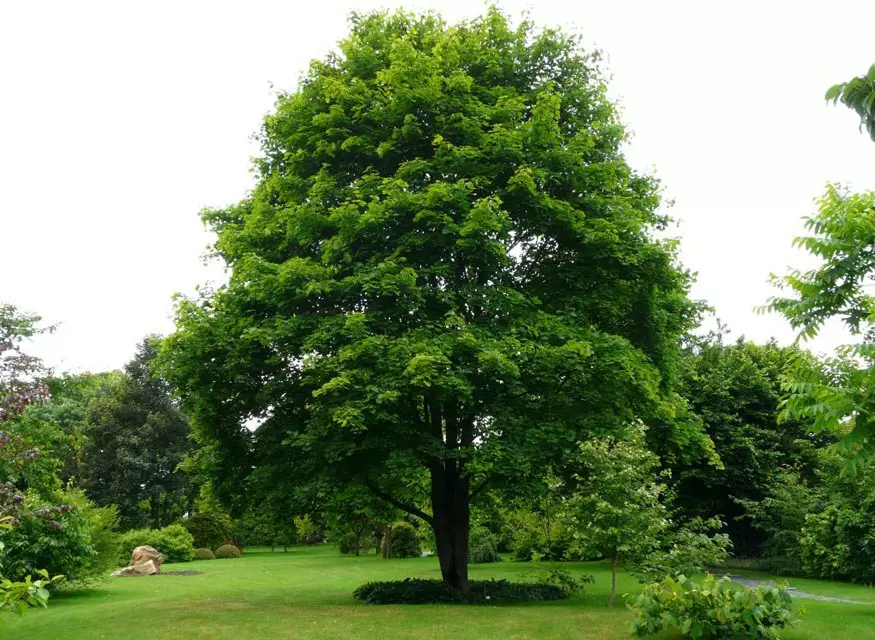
column 450, row 501
column 613, row 581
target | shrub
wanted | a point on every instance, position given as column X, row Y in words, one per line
column 714, row 609
column 691, row 549
column 482, row 546
column 307, row 530
column 174, row 541
column 348, row 543
column 208, row 528
column 204, row 554
column 228, row 551
column 403, row 541
column 565, row 580
column 418, row 591
column 60, row 545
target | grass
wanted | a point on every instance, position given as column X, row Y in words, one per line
column 307, row 593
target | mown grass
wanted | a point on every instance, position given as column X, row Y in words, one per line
column 307, row 593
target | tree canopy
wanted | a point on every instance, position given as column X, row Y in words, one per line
column 446, row 268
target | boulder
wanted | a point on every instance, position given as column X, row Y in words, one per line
column 145, row 561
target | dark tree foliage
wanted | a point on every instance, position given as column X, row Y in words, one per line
column 136, row 439
column 447, row 271
column 736, row 390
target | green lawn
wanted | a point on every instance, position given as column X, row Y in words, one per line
column 307, row 593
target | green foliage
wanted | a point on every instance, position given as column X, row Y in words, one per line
column 563, row 579
column 104, row 538
column 208, row 528
column 174, row 541
column 858, row 94
column 403, row 541
column 616, row 509
column 689, row 549
column 204, row 554
column 713, row 609
column 482, row 546
column 228, row 551
column 53, row 539
column 17, row 595
column 350, row 543
column 136, row 439
column 735, row 389
column 306, row 528
column 836, row 395
column 445, row 247
column 419, row 591
column 781, row 516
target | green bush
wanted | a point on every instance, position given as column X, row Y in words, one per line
column 565, row 580
column 204, row 554
column 419, row 591
column 102, row 526
column 713, row 609
column 403, row 541
column 54, row 539
column 209, row 529
column 174, row 541
column 348, row 543
column 528, row 532
column 482, row 546
column 228, row 551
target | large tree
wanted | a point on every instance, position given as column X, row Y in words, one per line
column 136, row 438
column 446, row 268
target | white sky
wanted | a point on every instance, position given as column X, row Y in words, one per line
column 120, row 120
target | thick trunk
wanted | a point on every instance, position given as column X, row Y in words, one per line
column 451, row 518
column 613, row 581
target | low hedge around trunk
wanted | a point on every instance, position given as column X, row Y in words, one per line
column 418, row 591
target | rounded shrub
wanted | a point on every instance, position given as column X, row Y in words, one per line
column 204, row 554
column 228, row 551
column 403, row 541
column 174, row 541
column 482, row 546
column 208, row 528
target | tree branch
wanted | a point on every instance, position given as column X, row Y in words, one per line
column 409, row 508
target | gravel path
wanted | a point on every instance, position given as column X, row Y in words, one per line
column 748, row 582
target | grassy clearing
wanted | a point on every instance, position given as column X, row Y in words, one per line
column 307, row 593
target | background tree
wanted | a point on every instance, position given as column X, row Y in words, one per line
column 137, row 438
column 356, row 515
column 735, row 389
column 22, row 377
column 446, row 268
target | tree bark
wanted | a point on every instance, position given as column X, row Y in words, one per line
column 613, row 581
column 450, row 499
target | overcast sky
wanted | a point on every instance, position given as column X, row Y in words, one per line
column 120, row 120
